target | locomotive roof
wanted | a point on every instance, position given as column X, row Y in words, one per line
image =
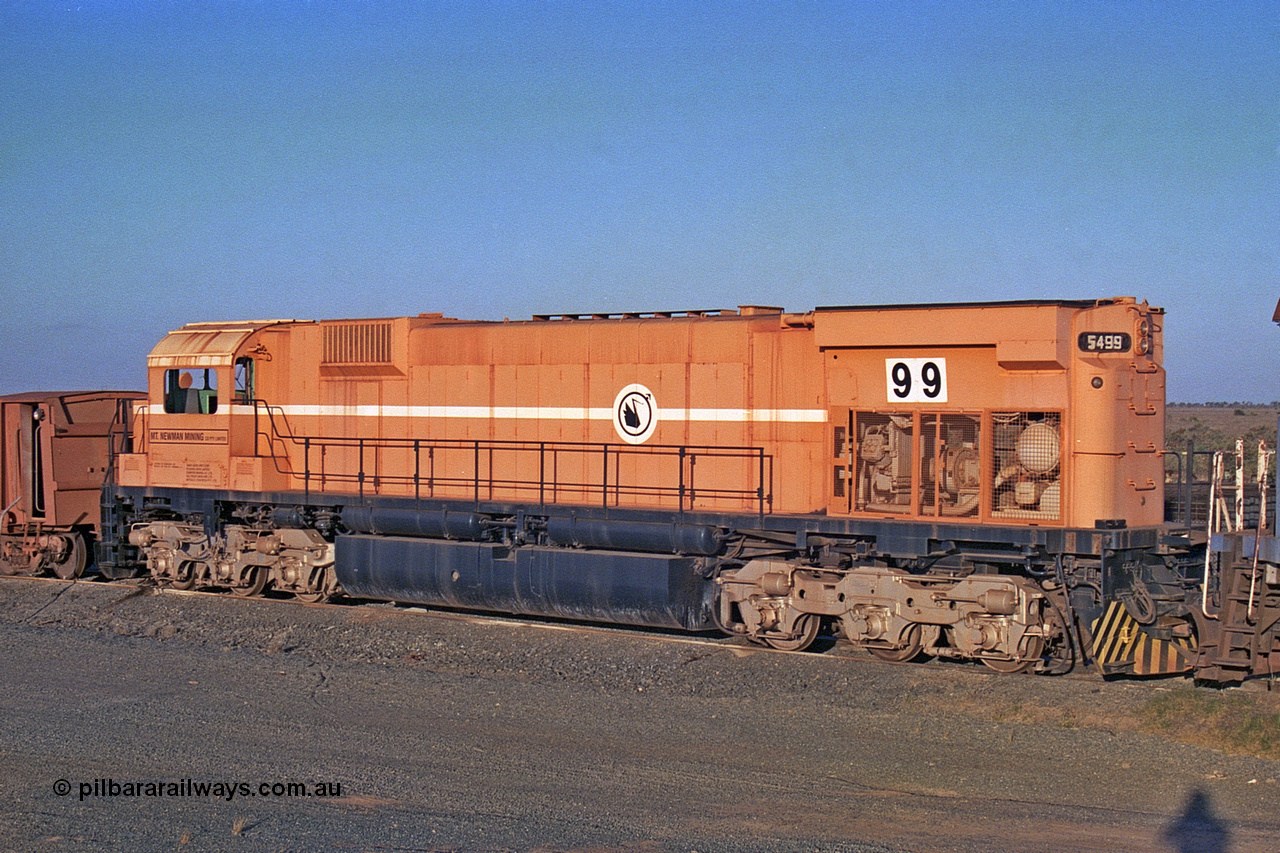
column 757, row 310
column 214, row 343
column 204, row 344
column 1011, row 303
column 44, row 396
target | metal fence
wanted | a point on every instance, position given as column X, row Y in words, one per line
column 1191, row 480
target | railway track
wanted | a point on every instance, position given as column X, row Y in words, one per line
column 826, row 647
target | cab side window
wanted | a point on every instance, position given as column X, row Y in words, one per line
column 244, row 380
column 190, row 391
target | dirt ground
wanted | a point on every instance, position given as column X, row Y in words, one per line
column 452, row 732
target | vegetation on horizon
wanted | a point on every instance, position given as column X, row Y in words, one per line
column 1274, row 404
column 1216, row 427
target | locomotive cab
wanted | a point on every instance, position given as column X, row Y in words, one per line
column 200, row 426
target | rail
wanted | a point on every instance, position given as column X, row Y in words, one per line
column 599, row 473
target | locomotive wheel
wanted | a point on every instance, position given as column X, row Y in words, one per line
column 186, row 577
column 325, row 585
column 1035, row 648
column 257, row 577
column 806, row 633
column 73, row 562
column 913, row 646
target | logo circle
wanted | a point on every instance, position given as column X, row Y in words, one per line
column 635, row 414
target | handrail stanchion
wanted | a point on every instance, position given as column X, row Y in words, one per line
column 683, row 451
column 760, row 483
column 360, row 473
column 604, row 476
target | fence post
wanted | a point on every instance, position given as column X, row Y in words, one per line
column 1189, row 472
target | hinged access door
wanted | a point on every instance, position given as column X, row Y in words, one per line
column 841, row 444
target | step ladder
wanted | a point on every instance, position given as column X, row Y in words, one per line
column 1243, row 637
column 1248, row 635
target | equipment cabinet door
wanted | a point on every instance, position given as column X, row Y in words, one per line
column 841, row 462
column 23, row 457
column 351, row 459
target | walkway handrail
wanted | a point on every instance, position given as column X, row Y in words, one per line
column 611, row 487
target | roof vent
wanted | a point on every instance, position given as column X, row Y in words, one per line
column 357, row 343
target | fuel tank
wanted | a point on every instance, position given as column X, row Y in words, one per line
column 655, row 590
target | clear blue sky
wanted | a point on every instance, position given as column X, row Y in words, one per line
column 170, row 162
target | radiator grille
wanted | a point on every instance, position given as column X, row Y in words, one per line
column 1026, row 470
column 357, row 343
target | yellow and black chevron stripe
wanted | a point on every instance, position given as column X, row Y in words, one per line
column 1120, row 645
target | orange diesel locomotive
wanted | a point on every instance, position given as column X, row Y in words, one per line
column 973, row 481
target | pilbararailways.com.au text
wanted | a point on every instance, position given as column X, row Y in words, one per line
column 110, row 788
